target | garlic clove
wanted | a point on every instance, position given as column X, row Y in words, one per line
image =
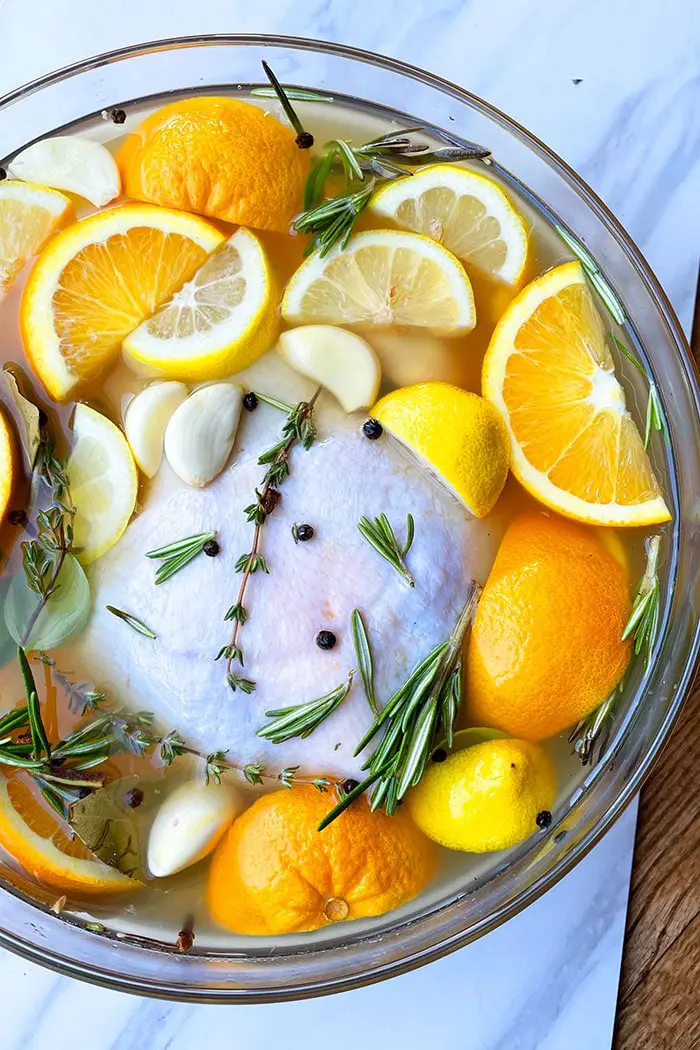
column 189, row 824
column 72, row 163
column 201, row 432
column 342, row 362
column 145, row 421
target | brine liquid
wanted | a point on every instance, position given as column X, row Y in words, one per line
column 407, row 357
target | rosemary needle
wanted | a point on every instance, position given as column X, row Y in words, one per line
column 174, row 556
column 137, row 625
column 380, row 535
column 643, row 624
column 364, row 657
column 302, row 719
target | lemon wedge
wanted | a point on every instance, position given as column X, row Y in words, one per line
column 458, row 434
column 220, row 322
column 383, row 277
column 29, row 215
column 465, row 211
column 103, row 483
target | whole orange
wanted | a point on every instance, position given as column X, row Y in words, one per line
column 545, row 648
column 274, row 872
column 219, row 157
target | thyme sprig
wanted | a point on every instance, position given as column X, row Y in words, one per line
column 643, row 624
column 654, row 417
column 302, row 719
column 363, row 653
column 298, row 428
column 379, row 534
column 387, row 156
column 417, row 716
column 175, row 556
column 216, row 765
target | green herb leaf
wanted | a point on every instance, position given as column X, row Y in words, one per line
column 108, row 827
column 379, row 534
column 63, row 614
column 364, row 657
column 136, row 625
column 302, row 719
column 40, row 741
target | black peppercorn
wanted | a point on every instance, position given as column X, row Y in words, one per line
column 543, row 819
column 117, row 116
column 250, row 401
column 133, row 798
column 372, row 429
column 325, row 639
column 349, row 785
column 439, row 754
column 3, row 174
column 305, row 140
column 211, row 548
column 304, row 533
column 18, row 517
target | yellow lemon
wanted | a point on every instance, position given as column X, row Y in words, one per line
column 486, row 797
column 29, row 216
column 459, row 434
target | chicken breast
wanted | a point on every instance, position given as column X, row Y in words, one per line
column 311, row 586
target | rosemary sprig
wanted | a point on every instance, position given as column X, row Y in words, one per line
column 654, row 417
column 380, row 535
column 332, row 223
column 40, row 741
column 298, row 94
column 301, row 719
column 417, row 715
column 298, row 428
column 594, row 274
column 175, row 556
column 133, row 621
column 364, row 657
column 274, row 402
column 643, row 624
column 592, row 732
column 305, row 139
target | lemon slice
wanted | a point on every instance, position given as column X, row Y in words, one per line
column 7, row 464
column 463, row 210
column 96, row 281
column 29, row 215
column 103, row 483
column 219, row 323
column 459, row 434
column 549, row 372
column 383, row 277
column 72, row 163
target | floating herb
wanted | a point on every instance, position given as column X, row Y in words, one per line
column 104, row 822
column 297, row 94
column 82, row 697
column 364, row 657
column 302, row 719
column 305, row 139
column 274, row 402
column 300, row 428
column 380, row 535
column 654, row 417
column 593, row 731
column 40, row 741
column 595, row 275
column 175, row 556
column 136, row 625
column 417, row 715
column 643, row 624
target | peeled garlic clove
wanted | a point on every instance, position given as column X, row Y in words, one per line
column 145, row 421
column 189, row 824
column 201, row 432
column 72, row 163
column 342, row 362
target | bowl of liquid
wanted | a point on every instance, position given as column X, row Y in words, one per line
column 350, row 453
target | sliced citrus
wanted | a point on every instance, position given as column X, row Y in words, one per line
column 383, row 277
column 459, row 434
column 29, row 215
column 549, row 372
column 103, row 483
column 98, row 280
column 218, row 156
column 39, row 840
column 467, row 212
column 220, row 322
column 7, row 464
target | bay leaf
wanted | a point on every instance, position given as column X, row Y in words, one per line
column 112, row 830
column 24, row 413
column 65, row 613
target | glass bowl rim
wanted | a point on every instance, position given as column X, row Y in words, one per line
column 458, row 938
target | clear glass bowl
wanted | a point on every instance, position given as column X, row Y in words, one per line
column 351, row 956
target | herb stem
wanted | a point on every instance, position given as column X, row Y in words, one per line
column 274, row 402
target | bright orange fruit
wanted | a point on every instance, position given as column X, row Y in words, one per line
column 274, row 872
column 545, row 648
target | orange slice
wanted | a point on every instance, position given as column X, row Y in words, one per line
column 38, row 840
column 549, row 371
column 98, row 280
column 7, row 464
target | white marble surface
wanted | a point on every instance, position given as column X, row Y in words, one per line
column 548, row 979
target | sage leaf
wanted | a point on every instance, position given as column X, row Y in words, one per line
column 111, row 829
column 24, row 413
column 64, row 614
